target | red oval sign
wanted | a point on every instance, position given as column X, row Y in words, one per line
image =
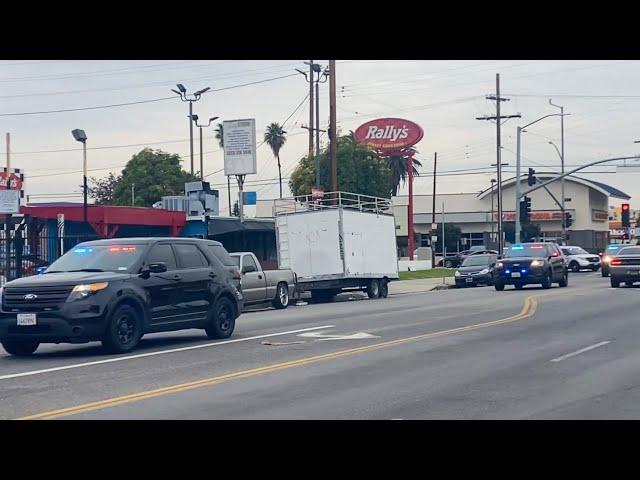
column 15, row 182
column 389, row 134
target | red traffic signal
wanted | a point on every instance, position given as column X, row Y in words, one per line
column 625, row 206
column 626, row 221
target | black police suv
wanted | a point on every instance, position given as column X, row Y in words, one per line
column 527, row 263
column 117, row 290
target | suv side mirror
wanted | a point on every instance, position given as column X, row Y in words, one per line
column 159, row 267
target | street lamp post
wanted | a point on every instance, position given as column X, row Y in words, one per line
column 518, row 194
column 81, row 137
column 185, row 98
column 195, row 120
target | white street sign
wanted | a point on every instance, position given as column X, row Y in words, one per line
column 239, row 147
column 353, row 336
column 9, row 201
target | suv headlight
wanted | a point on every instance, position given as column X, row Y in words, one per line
column 537, row 263
column 80, row 292
column 457, row 273
column 484, row 271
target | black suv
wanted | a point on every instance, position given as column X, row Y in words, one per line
column 527, row 263
column 117, row 290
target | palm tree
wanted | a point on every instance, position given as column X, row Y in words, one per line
column 274, row 135
column 220, row 137
column 399, row 170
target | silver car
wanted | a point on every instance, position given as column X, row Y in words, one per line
column 625, row 267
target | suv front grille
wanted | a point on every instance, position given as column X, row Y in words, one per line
column 13, row 298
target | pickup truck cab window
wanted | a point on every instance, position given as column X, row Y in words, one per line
column 248, row 265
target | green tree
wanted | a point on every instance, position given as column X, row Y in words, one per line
column 452, row 236
column 236, row 210
column 275, row 137
column 360, row 170
column 155, row 174
column 220, row 134
column 102, row 189
column 399, row 170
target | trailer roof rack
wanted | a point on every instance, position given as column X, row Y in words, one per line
column 332, row 200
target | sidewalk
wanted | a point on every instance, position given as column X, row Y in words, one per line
column 420, row 285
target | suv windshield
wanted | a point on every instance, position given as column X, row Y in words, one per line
column 98, row 258
column 573, row 251
column 527, row 250
column 478, row 260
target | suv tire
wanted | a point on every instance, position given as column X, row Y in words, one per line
column 615, row 283
column 565, row 280
column 222, row 319
column 546, row 283
column 20, row 348
column 499, row 286
column 124, row 330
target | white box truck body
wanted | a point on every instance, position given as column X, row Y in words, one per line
column 343, row 242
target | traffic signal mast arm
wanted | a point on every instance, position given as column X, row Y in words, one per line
column 571, row 172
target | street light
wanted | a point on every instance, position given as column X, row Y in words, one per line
column 81, row 137
column 517, row 205
column 182, row 93
column 195, row 120
column 561, row 165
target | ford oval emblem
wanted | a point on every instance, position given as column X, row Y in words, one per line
column 30, row 296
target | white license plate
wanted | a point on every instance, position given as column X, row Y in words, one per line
column 26, row 319
column 515, row 275
column 633, row 273
column 469, row 280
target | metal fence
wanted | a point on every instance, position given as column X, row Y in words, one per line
column 27, row 248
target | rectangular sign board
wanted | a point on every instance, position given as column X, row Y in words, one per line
column 9, row 201
column 250, row 198
column 239, row 138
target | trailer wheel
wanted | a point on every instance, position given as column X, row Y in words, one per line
column 322, row 296
column 384, row 288
column 373, row 288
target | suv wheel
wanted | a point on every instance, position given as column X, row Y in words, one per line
column 373, row 288
column 221, row 321
column 282, row 296
column 605, row 273
column 565, row 280
column 124, row 330
column 499, row 286
column 546, row 283
column 20, row 348
column 574, row 266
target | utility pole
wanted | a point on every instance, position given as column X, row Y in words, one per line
column 493, row 182
column 7, row 222
column 333, row 127
column 434, row 230
column 498, row 119
column 564, row 227
column 311, row 108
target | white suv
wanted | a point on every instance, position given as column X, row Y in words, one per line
column 579, row 259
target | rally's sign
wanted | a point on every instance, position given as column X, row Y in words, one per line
column 12, row 178
column 389, row 134
column 538, row 216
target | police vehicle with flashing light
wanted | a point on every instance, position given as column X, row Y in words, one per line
column 531, row 263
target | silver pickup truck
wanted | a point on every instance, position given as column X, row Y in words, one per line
column 259, row 286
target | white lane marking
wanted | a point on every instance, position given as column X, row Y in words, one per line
column 160, row 352
column 578, row 352
column 354, row 336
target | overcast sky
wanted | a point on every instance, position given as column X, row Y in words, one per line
column 444, row 97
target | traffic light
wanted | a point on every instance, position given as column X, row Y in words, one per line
column 531, row 178
column 568, row 220
column 525, row 210
column 626, row 223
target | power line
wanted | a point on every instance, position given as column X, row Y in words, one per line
column 138, row 102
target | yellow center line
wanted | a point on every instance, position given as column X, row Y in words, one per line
column 528, row 310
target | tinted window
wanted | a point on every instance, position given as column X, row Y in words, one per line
column 108, row 258
column 629, row 251
column 190, row 256
column 573, row 251
column 222, row 255
column 162, row 253
column 247, row 262
column 479, row 260
column 528, row 250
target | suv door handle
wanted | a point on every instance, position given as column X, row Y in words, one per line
column 212, row 274
column 177, row 277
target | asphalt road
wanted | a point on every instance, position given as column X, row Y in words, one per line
column 563, row 353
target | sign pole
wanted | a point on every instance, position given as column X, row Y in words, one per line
column 7, row 221
column 240, row 179
column 410, row 219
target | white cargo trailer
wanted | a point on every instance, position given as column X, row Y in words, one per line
column 343, row 241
